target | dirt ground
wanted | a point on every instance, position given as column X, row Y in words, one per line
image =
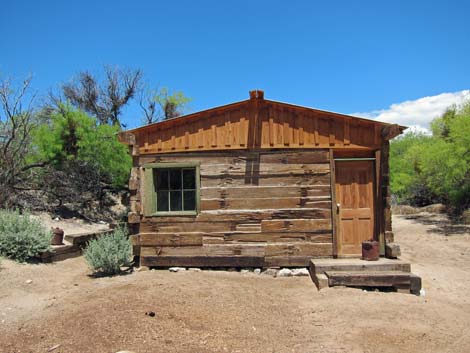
column 71, row 225
column 214, row 311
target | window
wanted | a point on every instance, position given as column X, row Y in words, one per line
column 176, row 189
column 171, row 189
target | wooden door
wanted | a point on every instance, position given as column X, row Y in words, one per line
column 355, row 197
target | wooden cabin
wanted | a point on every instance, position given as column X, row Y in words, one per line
column 258, row 183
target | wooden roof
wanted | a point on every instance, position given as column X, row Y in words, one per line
column 258, row 123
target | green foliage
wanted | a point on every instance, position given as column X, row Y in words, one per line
column 177, row 97
column 73, row 135
column 435, row 168
column 22, row 237
column 172, row 104
column 403, row 164
column 109, row 253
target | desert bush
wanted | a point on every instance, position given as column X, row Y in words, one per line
column 107, row 254
column 22, row 237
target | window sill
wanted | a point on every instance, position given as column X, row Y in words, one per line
column 174, row 213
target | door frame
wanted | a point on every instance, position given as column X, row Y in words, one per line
column 376, row 189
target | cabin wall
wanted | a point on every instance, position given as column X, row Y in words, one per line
column 257, row 209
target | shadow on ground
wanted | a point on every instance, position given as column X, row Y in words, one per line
column 441, row 225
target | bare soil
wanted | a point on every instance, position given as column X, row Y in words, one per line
column 215, row 311
column 69, row 225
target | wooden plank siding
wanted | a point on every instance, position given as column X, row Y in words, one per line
column 256, row 207
column 274, row 125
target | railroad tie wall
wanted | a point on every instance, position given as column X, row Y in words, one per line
column 257, row 209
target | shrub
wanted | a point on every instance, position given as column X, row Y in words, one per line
column 109, row 253
column 22, row 237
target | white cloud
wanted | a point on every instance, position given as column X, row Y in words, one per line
column 417, row 114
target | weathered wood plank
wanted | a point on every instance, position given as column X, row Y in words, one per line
column 264, row 203
column 299, row 157
column 264, row 169
column 243, row 216
column 296, row 225
column 234, row 237
column 298, row 249
column 266, row 180
column 252, row 191
column 205, row 250
column 204, row 227
column 170, row 239
column 368, row 278
column 203, row 261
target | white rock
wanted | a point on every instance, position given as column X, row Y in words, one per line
column 257, row 271
column 57, row 219
column 270, row 272
column 245, row 271
column 29, row 281
column 194, row 269
column 285, row 272
column 176, row 269
column 422, row 292
column 300, row 272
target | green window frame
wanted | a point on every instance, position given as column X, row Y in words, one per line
column 168, row 187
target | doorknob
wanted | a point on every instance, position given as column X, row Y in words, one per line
column 337, row 207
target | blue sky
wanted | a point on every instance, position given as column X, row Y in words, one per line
column 344, row 56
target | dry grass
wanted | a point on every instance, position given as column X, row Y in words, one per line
column 409, row 210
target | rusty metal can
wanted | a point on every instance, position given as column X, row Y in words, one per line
column 370, row 250
column 57, row 236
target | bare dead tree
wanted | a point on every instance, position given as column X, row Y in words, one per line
column 105, row 100
column 17, row 120
column 149, row 107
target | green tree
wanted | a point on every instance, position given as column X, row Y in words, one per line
column 405, row 171
column 435, row 168
column 71, row 134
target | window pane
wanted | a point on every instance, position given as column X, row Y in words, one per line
column 189, row 179
column 175, row 179
column 175, row 201
column 190, row 200
column 162, row 179
column 162, row 201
